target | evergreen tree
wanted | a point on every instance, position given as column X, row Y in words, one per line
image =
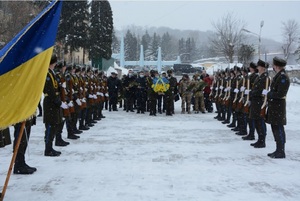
column 146, row 39
column 73, row 26
column 101, row 30
column 130, row 47
column 246, row 53
column 166, row 46
column 115, row 43
column 154, row 47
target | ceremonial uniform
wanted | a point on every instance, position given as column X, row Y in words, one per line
column 52, row 113
column 276, row 115
column 257, row 100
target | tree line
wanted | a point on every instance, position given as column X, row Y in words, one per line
column 88, row 25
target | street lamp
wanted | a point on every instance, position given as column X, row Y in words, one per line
column 258, row 35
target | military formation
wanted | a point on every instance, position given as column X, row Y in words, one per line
column 74, row 97
column 246, row 99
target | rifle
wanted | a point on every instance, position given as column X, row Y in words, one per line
column 216, row 95
column 227, row 97
column 246, row 105
column 264, row 105
column 211, row 91
column 63, row 92
column 234, row 104
column 240, row 103
column 82, row 91
column 72, row 109
column 221, row 92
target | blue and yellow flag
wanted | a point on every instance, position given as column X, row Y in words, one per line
column 24, row 63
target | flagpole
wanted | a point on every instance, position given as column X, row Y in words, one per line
column 16, row 149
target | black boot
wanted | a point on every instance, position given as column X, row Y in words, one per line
column 279, row 153
column 260, row 142
column 72, row 136
column 249, row 137
column 21, row 167
column 49, row 151
column 60, row 142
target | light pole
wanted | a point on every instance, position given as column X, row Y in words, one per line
column 258, row 35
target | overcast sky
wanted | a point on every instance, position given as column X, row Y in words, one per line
column 199, row 15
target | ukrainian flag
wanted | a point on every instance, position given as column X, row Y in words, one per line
column 24, row 63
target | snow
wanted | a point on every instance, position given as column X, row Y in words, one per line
column 137, row 157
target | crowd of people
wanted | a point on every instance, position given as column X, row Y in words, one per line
column 76, row 96
column 246, row 99
column 153, row 92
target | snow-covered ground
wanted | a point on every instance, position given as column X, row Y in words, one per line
column 136, row 157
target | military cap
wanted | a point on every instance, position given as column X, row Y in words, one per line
column 113, row 73
column 261, row 63
column 279, row 62
column 53, row 59
column 236, row 68
column 245, row 69
column 83, row 69
column 70, row 67
column 59, row 65
column 232, row 71
column 89, row 70
column 169, row 71
column 253, row 65
column 77, row 69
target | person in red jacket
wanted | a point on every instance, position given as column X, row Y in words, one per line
column 209, row 80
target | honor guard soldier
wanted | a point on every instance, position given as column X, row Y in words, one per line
column 257, row 101
column 82, row 95
column 250, row 82
column 70, row 120
column 276, row 115
column 61, row 80
column 52, row 114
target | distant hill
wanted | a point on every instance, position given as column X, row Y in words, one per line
column 201, row 37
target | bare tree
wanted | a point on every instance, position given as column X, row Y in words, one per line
column 14, row 15
column 291, row 35
column 227, row 36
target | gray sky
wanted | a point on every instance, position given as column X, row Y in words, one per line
column 199, row 15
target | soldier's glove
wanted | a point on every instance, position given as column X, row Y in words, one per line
column 236, row 91
column 101, row 94
column 95, row 96
column 64, row 105
column 64, row 85
column 78, row 101
column 91, row 96
column 242, row 88
column 70, row 104
column 216, row 88
column 106, row 94
column 265, row 92
column 221, row 87
column 83, row 100
column 247, row 91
